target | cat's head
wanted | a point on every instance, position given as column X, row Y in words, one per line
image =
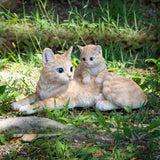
column 57, row 68
column 91, row 55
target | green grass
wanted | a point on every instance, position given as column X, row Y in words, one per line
column 107, row 23
column 130, row 49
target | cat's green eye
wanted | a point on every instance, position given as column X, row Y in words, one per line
column 71, row 69
column 60, row 70
column 83, row 59
column 91, row 58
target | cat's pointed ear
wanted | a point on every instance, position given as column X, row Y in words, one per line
column 48, row 56
column 98, row 49
column 80, row 48
column 68, row 53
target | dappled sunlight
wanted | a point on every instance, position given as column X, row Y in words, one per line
column 129, row 36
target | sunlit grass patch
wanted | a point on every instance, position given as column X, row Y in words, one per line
column 107, row 23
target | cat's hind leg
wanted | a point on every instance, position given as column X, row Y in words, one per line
column 105, row 105
column 100, row 97
column 24, row 101
column 121, row 100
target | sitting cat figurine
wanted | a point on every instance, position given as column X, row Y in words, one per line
column 92, row 64
column 56, row 84
column 117, row 91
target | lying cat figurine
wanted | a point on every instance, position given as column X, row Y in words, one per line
column 56, row 84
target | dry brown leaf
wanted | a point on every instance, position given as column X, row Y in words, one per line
column 99, row 154
column 89, row 144
column 111, row 148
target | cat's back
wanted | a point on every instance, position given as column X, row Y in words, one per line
column 119, row 83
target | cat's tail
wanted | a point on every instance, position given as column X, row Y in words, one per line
column 107, row 86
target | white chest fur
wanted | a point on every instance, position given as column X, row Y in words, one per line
column 47, row 91
column 95, row 70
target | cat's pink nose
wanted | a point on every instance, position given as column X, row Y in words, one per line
column 87, row 62
column 70, row 77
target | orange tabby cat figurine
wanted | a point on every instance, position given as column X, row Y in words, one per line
column 92, row 64
column 56, row 84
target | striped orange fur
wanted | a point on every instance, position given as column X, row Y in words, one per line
column 56, row 84
column 117, row 91
column 92, row 64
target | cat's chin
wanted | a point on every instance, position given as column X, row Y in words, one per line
column 89, row 66
column 66, row 81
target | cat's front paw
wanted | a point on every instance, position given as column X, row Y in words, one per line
column 86, row 81
column 100, row 97
column 100, row 105
column 15, row 106
column 27, row 109
column 99, row 80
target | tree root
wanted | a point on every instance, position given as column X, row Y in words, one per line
column 30, row 128
column 31, row 124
